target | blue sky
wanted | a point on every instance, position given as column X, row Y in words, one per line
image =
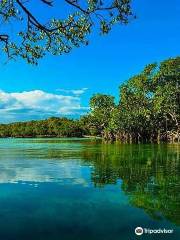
column 63, row 85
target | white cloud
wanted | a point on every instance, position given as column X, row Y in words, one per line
column 73, row 91
column 38, row 104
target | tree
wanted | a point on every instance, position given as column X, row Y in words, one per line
column 166, row 101
column 36, row 37
column 149, row 107
column 148, row 110
column 135, row 105
column 101, row 106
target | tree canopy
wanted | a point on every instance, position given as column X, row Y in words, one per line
column 148, row 109
column 34, row 37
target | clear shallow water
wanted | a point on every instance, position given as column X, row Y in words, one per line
column 73, row 189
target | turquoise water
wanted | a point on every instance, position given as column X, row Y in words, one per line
column 79, row 189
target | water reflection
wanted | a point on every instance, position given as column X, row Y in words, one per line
column 148, row 175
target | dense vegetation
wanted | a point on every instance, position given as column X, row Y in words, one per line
column 148, row 111
column 52, row 127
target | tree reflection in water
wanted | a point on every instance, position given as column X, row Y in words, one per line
column 149, row 174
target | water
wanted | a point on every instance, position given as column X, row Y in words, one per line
column 75, row 189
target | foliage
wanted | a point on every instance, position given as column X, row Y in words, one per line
column 36, row 37
column 149, row 106
column 101, row 106
column 52, row 127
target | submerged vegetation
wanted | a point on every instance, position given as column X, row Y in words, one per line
column 148, row 111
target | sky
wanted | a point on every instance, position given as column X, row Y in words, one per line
column 63, row 85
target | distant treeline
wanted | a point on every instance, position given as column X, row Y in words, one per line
column 148, row 111
column 52, row 127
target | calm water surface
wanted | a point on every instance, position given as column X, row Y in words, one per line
column 75, row 189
